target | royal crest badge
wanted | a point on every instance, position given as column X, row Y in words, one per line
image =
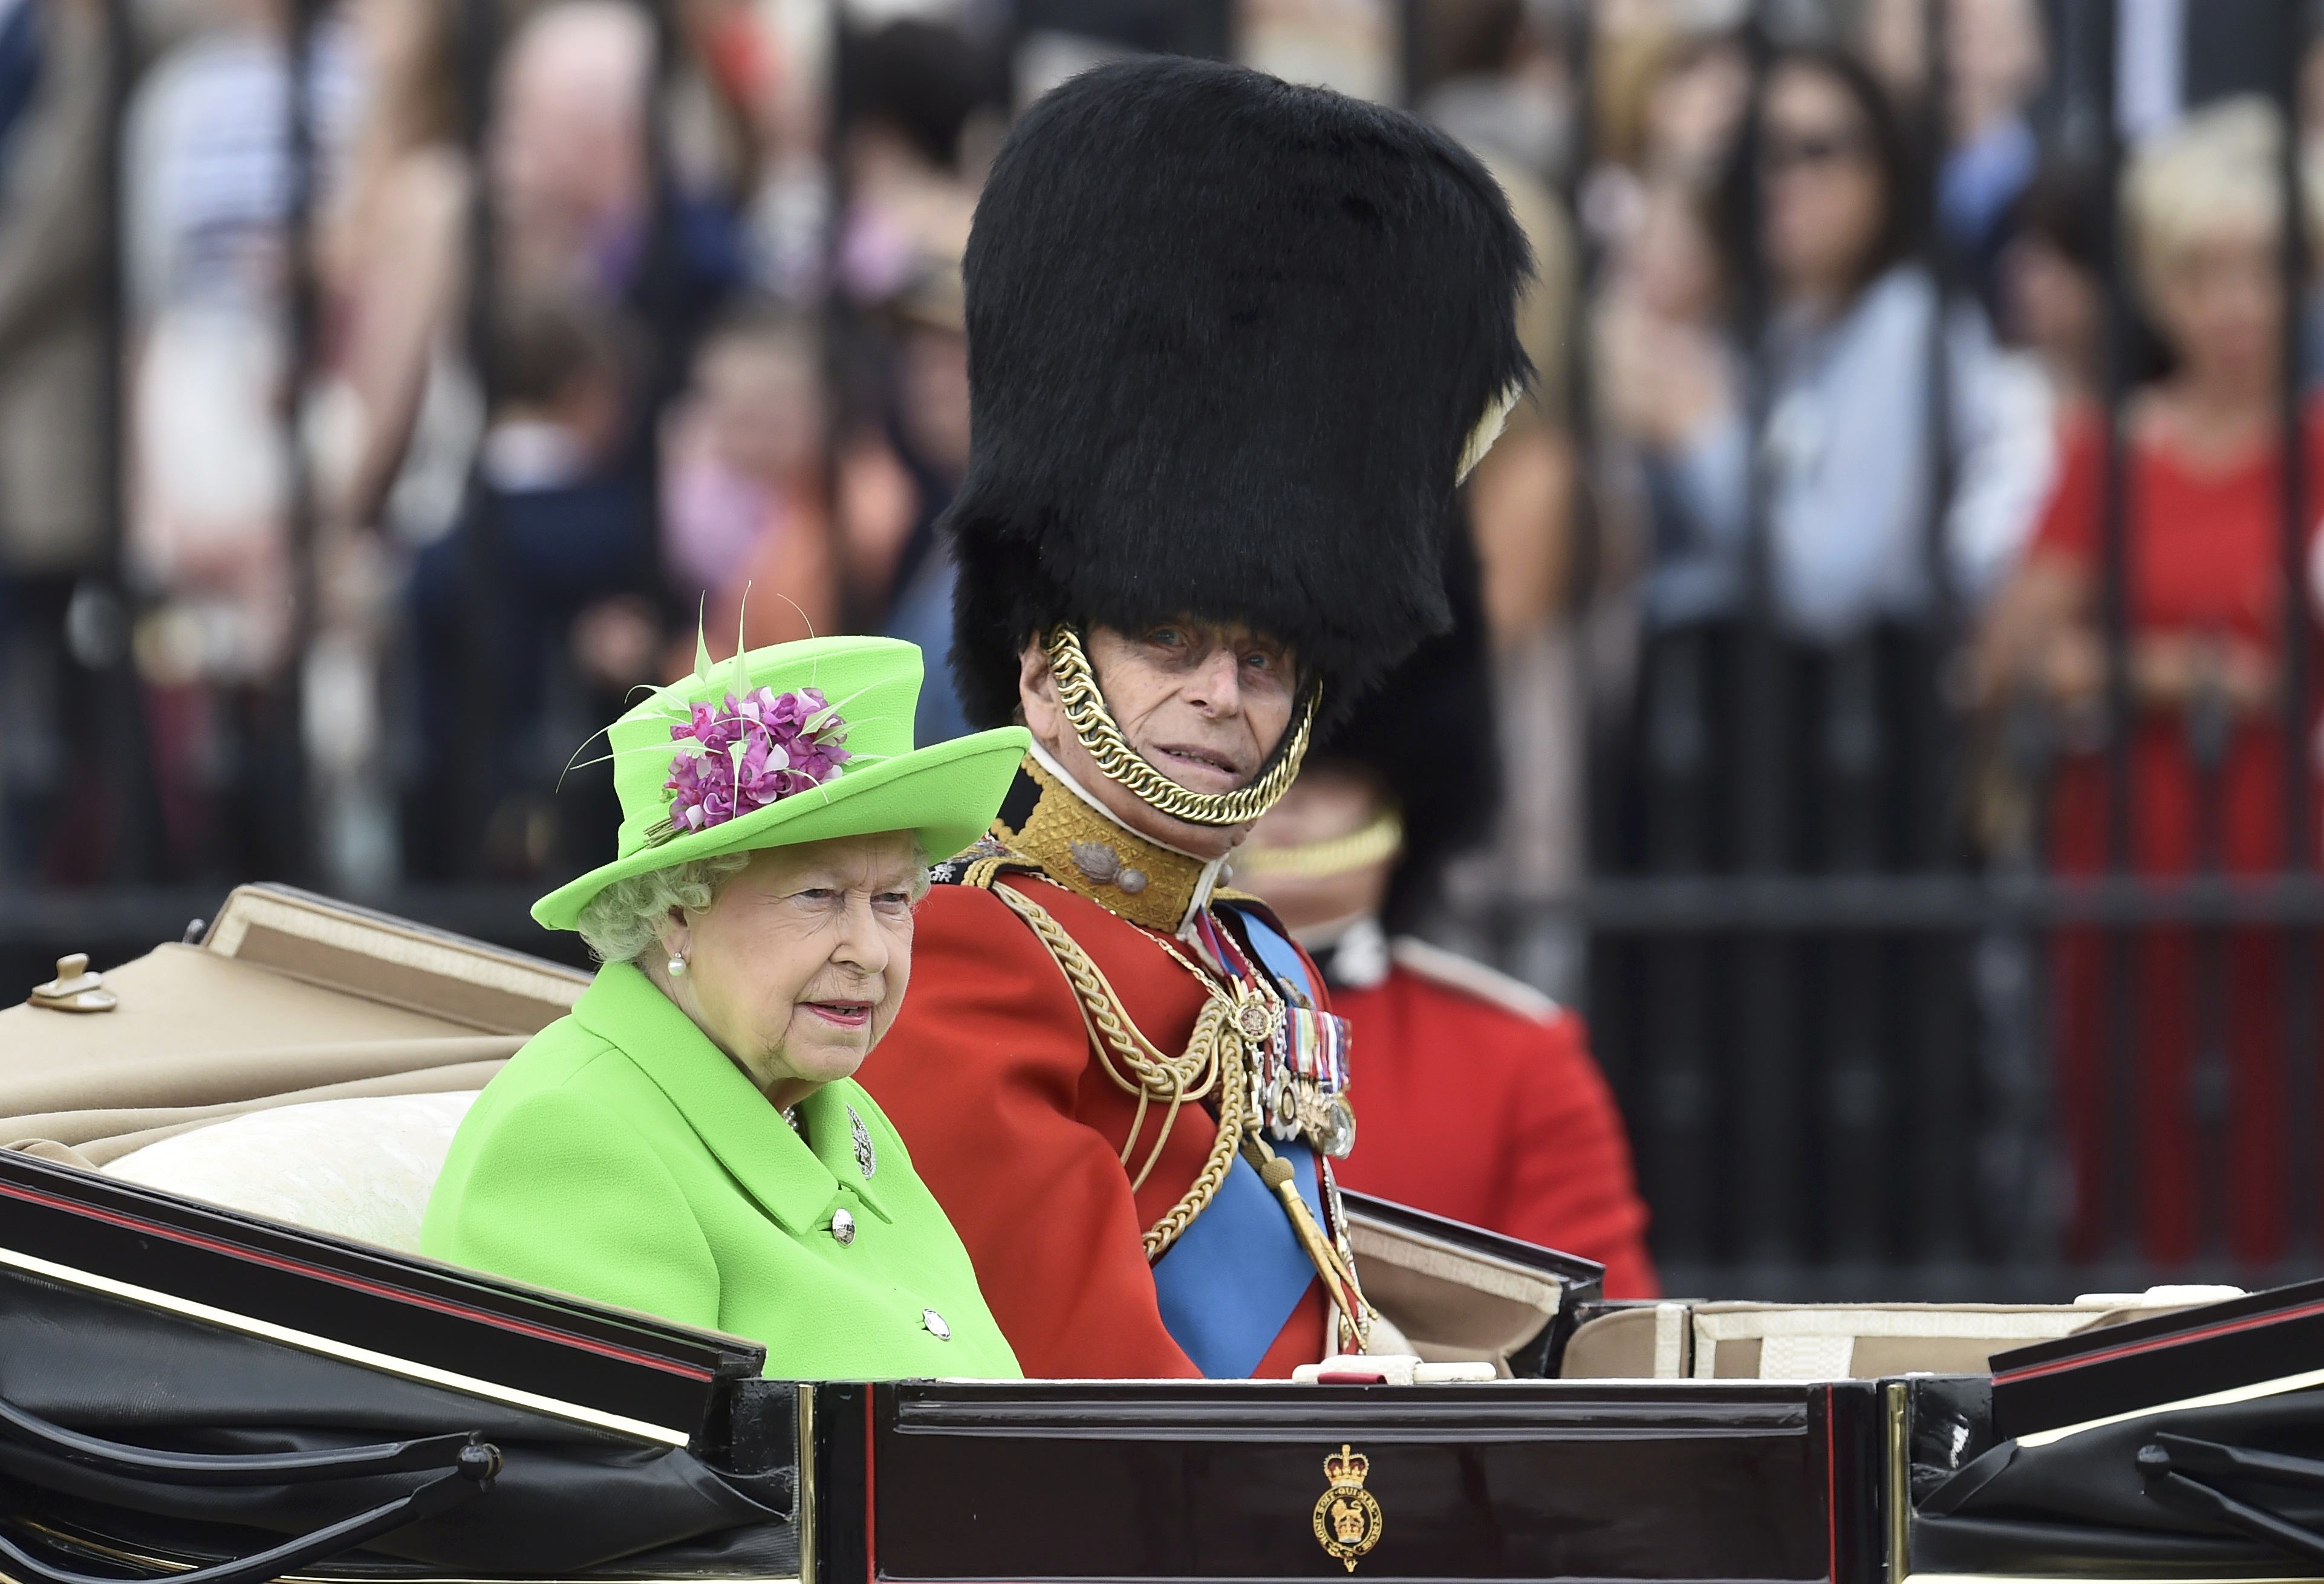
column 1348, row 1517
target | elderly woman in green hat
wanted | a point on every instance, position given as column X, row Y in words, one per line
column 688, row 1141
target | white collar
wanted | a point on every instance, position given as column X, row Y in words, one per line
column 1356, row 946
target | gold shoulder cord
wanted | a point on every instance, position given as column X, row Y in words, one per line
column 1215, row 1061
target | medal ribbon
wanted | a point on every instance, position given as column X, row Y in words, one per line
column 1313, row 1045
column 1317, row 1045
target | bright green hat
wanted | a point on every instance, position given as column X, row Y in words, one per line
column 795, row 743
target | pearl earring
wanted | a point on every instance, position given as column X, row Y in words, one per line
column 677, row 966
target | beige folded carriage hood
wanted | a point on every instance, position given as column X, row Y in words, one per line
column 288, row 997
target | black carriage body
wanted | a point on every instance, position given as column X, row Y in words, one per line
column 194, row 1393
column 1507, row 1480
column 164, row 1363
column 185, row 1387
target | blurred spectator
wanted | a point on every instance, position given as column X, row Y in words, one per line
column 896, row 477
column 1351, row 45
column 556, row 542
column 745, row 522
column 1669, row 103
column 570, row 174
column 925, row 101
column 779, row 55
column 393, row 258
column 1661, row 318
column 53, row 110
column 537, row 593
column 209, row 187
column 1996, row 59
column 1499, row 79
column 578, row 208
column 1822, row 188
column 578, row 203
column 2202, row 519
column 2051, row 279
column 914, row 93
column 1519, row 504
column 2052, row 282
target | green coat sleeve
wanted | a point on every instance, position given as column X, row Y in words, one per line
column 562, row 1193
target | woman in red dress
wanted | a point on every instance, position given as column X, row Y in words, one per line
column 2205, row 599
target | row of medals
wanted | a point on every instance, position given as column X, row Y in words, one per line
column 1290, row 1105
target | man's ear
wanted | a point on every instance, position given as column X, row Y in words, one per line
column 1033, row 673
column 1036, row 694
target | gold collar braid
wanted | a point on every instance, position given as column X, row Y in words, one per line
column 1082, row 850
column 1093, row 723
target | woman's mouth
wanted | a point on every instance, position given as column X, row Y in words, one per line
column 843, row 1014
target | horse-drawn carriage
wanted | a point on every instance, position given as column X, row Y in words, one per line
column 221, row 1362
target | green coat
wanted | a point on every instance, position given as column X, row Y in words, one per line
column 622, row 1156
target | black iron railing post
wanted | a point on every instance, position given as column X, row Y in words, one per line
column 1681, row 1169
column 2297, row 950
column 1412, row 50
column 475, row 774
column 131, row 808
column 295, row 813
column 2119, row 1082
column 1769, row 1137
column 1937, row 1047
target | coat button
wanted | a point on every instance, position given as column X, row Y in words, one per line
column 935, row 1324
column 843, row 1227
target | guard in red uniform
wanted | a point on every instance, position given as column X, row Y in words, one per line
column 1476, row 1094
column 1231, row 343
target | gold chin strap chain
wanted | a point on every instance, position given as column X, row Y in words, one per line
column 1093, row 723
column 1217, row 1061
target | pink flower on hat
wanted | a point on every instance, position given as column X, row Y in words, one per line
column 755, row 751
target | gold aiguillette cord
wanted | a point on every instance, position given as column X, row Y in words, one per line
column 1282, row 1176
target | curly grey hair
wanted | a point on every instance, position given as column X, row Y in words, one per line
column 623, row 921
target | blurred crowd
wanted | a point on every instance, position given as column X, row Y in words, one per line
column 472, row 353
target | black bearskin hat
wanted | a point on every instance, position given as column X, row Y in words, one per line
column 1429, row 734
column 1227, row 339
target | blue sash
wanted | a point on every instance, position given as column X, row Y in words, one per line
column 1231, row 1282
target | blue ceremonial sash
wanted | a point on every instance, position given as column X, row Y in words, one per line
column 1235, row 1274
column 1281, row 957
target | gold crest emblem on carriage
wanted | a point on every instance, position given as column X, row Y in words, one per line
column 1348, row 1517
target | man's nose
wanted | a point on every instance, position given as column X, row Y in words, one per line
column 1217, row 682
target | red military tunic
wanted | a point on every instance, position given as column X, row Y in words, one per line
column 1476, row 1098
column 988, row 1076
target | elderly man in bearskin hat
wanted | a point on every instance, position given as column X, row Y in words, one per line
column 1232, row 344
column 1481, row 1100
